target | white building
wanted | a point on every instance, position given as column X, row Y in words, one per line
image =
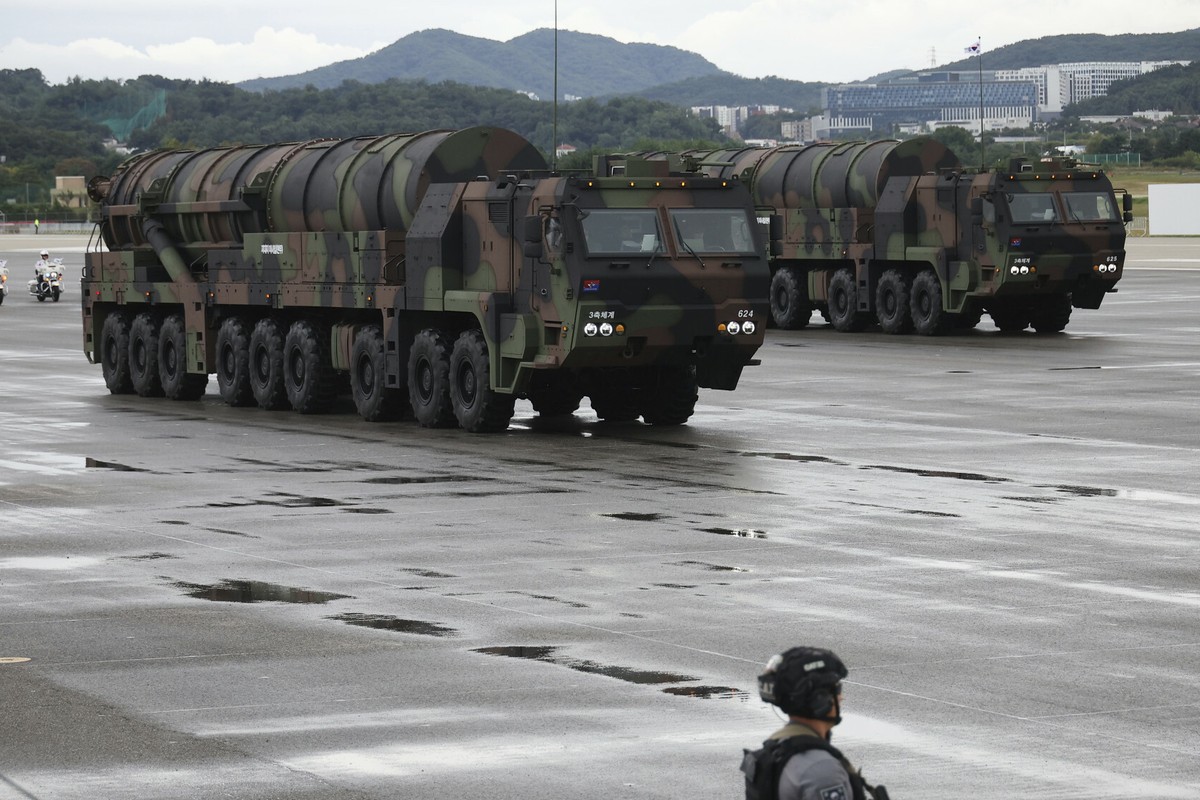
column 1059, row 85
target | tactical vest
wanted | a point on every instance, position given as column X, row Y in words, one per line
column 764, row 766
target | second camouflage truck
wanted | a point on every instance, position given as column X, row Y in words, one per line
column 441, row 274
column 901, row 234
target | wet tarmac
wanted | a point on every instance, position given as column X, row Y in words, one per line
column 1000, row 534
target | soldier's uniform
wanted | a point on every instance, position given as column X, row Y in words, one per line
column 814, row 774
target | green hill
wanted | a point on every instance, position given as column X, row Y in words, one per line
column 588, row 65
column 1070, row 48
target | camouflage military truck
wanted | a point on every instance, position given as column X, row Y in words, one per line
column 901, row 234
column 441, row 274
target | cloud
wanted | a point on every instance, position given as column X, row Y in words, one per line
column 269, row 53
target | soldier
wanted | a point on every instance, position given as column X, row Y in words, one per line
column 797, row 762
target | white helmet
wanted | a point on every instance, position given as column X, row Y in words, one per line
column 45, row 254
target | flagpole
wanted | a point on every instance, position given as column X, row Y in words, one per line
column 982, row 146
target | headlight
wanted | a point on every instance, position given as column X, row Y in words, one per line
column 734, row 328
column 606, row 329
column 590, row 329
column 748, row 327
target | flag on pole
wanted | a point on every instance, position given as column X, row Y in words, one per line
column 973, row 49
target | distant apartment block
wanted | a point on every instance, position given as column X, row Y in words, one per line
column 730, row 118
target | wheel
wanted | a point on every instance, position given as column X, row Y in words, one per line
column 968, row 318
column 1052, row 314
column 555, row 396
column 478, row 407
column 177, row 382
column 925, row 304
column 55, row 294
column 1010, row 319
column 266, row 365
column 429, row 380
column 617, row 401
column 3, row 294
column 233, row 363
column 790, row 308
column 843, row 302
column 143, row 355
column 374, row 401
column 41, row 298
column 114, row 353
column 672, row 399
column 308, row 375
column 892, row 301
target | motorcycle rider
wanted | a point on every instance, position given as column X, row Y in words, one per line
column 41, row 266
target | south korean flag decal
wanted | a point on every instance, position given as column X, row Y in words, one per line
column 833, row 793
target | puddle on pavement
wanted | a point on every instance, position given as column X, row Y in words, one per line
column 282, row 500
column 1069, row 369
column 427, row 573
column 228, row 532
column 798, row 457
column 255, row 592
column 173, row 522
column 741, row 533
column 548, row 655
column 922, row 513
column 367, row 511
column 709, row 692
column 710, row 567
column 1042, row 500
column 934, row 473
column 634, row 516
column 1142, row 495
column 148, row 557
column 676, row 585
column 550, row 599
column 407, row 480
column 1085, row 491
column 386, row 623
column 95, row 463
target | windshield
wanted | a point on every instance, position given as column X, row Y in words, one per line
column 611, row 231
column 1091, row 207
column 1032, row 207
column 713, row 230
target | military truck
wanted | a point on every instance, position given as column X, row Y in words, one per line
column 441, row 275
column 901, row 234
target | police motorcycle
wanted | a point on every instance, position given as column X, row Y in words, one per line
column 3, row 281
column 48, row 281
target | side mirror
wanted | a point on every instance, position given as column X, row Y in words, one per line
column 976, row 210
column 775, row 228
column 1127, row 202
column 531, row 230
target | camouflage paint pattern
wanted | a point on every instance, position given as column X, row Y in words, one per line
column 874, row 206
column 413, row 231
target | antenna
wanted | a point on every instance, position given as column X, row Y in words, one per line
column 932, row 57
column 554, row 124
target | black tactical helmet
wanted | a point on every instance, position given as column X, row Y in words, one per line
column 804, row 682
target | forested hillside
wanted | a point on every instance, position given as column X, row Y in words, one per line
column 1175, row 88
column 58, row 130
column 1069, row 48
column 588, row 65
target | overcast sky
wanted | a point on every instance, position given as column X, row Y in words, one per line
column 806, row 40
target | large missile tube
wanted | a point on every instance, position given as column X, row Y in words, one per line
column 826, row 175
column 213, row 197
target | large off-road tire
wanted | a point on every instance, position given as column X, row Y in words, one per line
column 429, row 380
column 233, row 363
column 478, row 407
column 968, row 318
column 177, row 382
column 1010, row 319
column 925, row 305
column 843, row 302
column 266, row 365
column 368, row 378
column 143, row 355
column 671, row 400
column 308, row 374
column 1052, row 314
column 555, row 396
column 790, row 309
column 616, row 401
column 114, row 353
column 892, row 302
